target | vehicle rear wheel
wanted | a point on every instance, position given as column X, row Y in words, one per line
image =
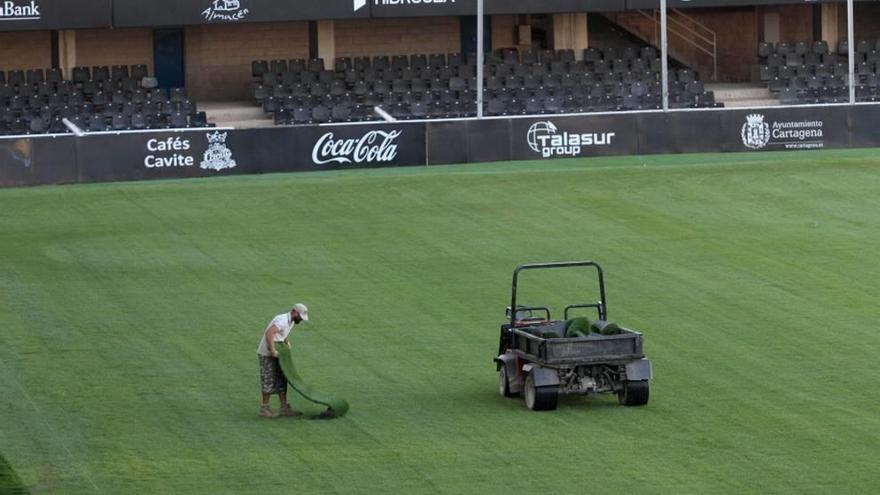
column 634, row 393
column 540, row 398
column 504, row 383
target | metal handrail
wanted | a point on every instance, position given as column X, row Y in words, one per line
column 693, row 31
column 688, row 33
column 696, row 23
column 706, row 29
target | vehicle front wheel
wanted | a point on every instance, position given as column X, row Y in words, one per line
column 540, row 398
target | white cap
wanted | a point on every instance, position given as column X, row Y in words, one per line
column 302, row 310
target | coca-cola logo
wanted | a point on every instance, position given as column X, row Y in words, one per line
column 373, row 147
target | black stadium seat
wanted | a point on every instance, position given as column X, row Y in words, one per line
column 15, row 78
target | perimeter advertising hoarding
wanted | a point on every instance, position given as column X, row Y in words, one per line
column 469, row 141
column 317, row 148
column 357, row 146
column 16, row 162
column 130, row 13
column 205, row 153
column 864, row 120
column 27, row 161
column 32, row 15
column 782, row 129
column 208, row 153
column 679, row 132
column 573, row 137
column 165, row 155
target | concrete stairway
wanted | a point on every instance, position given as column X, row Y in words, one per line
column 735, row 95
column 238, row 114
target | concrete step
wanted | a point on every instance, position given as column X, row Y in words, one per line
column 737, row 95
column 246, row 124
column 743, row 94
column 223, row 113
column 743, row 103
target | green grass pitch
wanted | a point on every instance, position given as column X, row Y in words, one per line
column 130, row 315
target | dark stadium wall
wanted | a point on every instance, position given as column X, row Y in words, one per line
column 504, row 31
column 369, row 37
column 25, row 50
column 114, row 47
column 218, row 57
column 797, row 22
column 737, row 39
column 866, row 21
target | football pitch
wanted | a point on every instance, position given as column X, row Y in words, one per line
column 130, row 316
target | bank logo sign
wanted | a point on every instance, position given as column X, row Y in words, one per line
column 178, row 152
column 19, row 11
column 546, row 139
column 794, row 134
column 225, row 10
column 373, row 147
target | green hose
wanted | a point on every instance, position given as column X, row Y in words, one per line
column 335, row 407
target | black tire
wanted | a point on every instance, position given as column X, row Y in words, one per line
column 634, row 393
column 504, row 383
column 540, row 398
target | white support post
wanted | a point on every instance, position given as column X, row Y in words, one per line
column 383, row 114
column 664, row 56
column 73, row 127
column 851, row 43
column 480, row 59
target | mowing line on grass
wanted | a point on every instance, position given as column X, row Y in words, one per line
column 30, row 401
column 10, row 483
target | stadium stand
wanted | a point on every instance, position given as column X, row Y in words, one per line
column 443, row 85
column 809, row 73
column 95, row 99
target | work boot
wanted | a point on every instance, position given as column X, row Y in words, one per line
column 267, row 413
column 286, row 410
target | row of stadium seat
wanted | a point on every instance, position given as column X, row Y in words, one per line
column 96, row 122
column 441, row 60
column 805, row 73
column 803, row 48
column 100, row 98
column 78, row 75
column 427, row 86
column 451, row 104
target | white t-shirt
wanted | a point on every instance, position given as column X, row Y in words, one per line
column 284, row 324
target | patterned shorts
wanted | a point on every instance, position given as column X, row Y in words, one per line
column 271, row 376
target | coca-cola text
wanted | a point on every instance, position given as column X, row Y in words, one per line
column 374, row 146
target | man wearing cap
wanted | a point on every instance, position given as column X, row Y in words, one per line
column 271, row 376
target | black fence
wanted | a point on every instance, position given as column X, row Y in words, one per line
column 211, row 152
